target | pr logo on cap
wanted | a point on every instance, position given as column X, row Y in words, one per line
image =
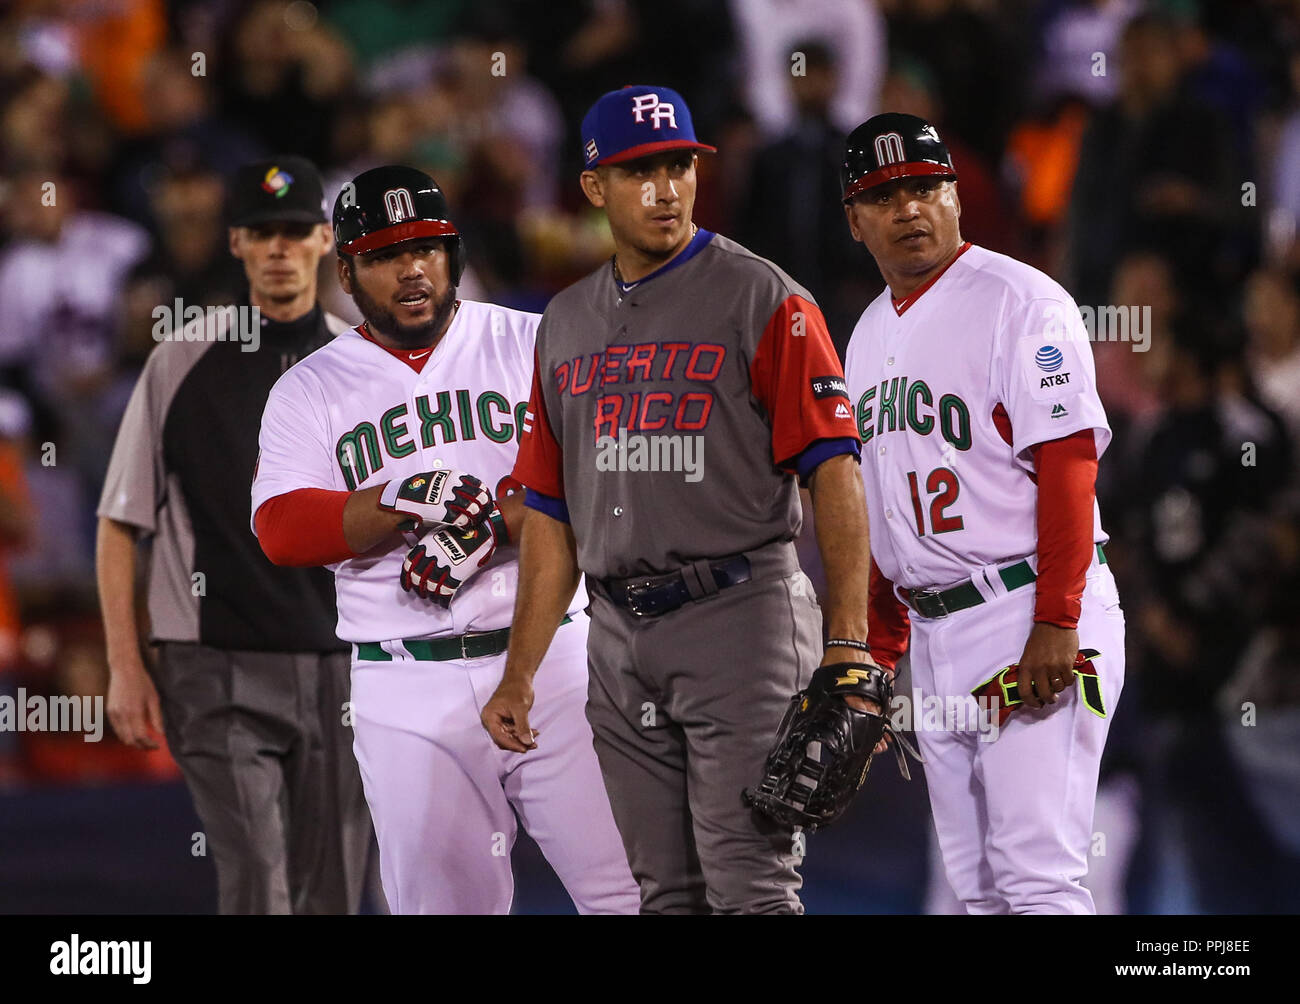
column 637, row 121
column 277, row 182
column 660, row 111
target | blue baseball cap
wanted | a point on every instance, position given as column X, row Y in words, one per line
column 636, row 121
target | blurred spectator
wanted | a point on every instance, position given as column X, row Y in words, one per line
column 1075, row 33
column 1259, row 709
column 769, row 34
column 1204, row 468
column 1219, row 77
column 1157, row 170
column 190, row 260
column 114, row 44
column 792, row 213
column 1272, row 315
column 1041, row 159
column 16, row 518
column 582, row 49
column 975, row 63
column 1284, row 199
column 182, row 132
column 31, row 133
column 489, row 105
column 60, row 282
column 284, row 74
column 380, row 32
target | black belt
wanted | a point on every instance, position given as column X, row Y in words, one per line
column 942, row 602
column 655, row 595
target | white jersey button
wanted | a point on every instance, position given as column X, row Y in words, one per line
column 618, row 510
column 889, row 361
column 889, row 514
column 882, row 451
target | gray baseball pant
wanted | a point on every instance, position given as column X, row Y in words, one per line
column 260, row 739
column 684, row 708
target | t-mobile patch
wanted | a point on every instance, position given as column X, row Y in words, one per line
column 829, row 386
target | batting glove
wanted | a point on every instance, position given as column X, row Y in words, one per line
column 439, row 498
column 437, row 566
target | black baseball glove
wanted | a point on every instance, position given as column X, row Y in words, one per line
column 823, row 748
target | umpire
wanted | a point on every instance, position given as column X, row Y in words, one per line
column 250, row 682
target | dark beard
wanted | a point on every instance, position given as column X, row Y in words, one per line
column 385, row 322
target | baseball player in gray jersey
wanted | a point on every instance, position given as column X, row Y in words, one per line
column 680, row 396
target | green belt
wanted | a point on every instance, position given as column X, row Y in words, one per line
column 475, row 645
column 941, row 603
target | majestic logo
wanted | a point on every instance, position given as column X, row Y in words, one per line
column 889, row 149
column 399, row 205
column 277, row 182
column 1058, row 411
column 660, row 111
column 842, row 411
column 1049, row 359
column 829, row 386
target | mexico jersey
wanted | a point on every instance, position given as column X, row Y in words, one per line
column 352, row 415
column 951, row 388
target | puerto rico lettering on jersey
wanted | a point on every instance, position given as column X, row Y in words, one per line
column 444, row 416
column 647, row 362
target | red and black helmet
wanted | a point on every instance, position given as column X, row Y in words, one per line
column 889, row 146
column 388, row 205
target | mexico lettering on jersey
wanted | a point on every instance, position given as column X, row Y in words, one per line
column 950, row 391
column 670, row 418
column 351, row 416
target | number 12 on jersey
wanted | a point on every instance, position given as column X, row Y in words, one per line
column 943, row 481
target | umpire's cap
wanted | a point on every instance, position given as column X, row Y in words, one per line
column 285, row 188
column 889, row 146
column 388, row 205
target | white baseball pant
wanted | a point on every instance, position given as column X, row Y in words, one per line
column 1014, row 815
column 443, row 797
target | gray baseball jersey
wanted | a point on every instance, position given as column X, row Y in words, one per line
column 719, row 375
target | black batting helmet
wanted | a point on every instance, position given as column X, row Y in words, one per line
column 889, row 146
column 387, row 205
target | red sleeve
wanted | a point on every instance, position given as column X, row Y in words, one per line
column 540, row 463
column 303, row 528
column 1067, row 486
column 797, row 377
column 888, row 625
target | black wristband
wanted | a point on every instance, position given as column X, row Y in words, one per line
column 849, row 643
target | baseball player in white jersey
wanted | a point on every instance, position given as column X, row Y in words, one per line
column 408, row 426
column 976, row 401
